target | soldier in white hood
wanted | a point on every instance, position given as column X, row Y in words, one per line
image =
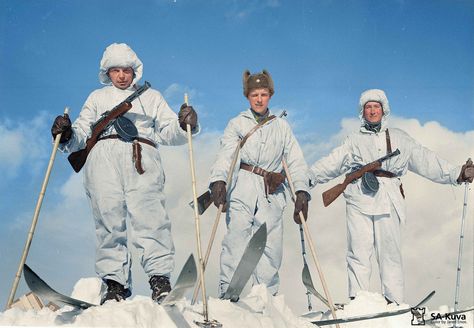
column 123, row 175
column 374, row 216
column 257, row 194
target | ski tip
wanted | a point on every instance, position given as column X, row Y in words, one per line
column 262, row 230
column 27, row 268
column 190, row 263
column 28, row 273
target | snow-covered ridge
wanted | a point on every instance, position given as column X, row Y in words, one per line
column 257, row 309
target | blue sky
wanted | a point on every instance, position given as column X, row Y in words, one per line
column 321, row 54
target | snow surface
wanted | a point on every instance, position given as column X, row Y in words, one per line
column 257, row 309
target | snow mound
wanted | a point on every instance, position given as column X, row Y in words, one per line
column 258, row 309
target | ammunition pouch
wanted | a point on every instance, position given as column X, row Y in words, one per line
column 125, row 129
column 370, row 184
column 272, row 180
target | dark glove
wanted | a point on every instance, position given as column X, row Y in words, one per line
column 467, row 172
column 218, row 193
column 301, row 205
column 187, row 115
column 62, row 124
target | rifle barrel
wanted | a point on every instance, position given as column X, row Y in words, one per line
column 392, row 154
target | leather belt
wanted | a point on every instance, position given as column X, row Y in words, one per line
column 384, row 174
column 136, row 149
column 139, row 139
column 254, row 169
column 271, row 180
column 388, row 174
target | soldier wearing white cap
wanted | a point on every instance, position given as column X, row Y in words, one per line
column 123, row 175
column 374, row 214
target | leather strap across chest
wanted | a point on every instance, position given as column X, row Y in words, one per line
column 255, row 128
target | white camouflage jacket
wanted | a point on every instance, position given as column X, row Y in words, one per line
column 265, row 148
column 150, row 113
column 366, row 146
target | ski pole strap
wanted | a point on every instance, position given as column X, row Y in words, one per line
column 255, row 128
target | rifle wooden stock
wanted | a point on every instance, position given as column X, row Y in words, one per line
column 78, row 158
column 204, row 201
column 330, row 195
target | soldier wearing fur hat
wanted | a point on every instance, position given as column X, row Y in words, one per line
column 374, row 214
column 123, row 175
column 257, row 194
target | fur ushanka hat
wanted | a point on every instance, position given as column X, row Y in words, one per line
column 256, row 81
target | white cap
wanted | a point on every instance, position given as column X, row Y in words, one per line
column 374, row 95
column 119, row 55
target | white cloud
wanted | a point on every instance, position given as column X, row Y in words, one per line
column 175, row 93
column 23, row 143
column 430, row 237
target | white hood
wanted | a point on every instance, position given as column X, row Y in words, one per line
column 374, row 95
column 119, row 55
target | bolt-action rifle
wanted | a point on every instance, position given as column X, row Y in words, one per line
column 78, row 158
column 330, row 195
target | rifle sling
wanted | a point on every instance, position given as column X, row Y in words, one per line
column 255, row 128
column 388, row 174
column 389, row 144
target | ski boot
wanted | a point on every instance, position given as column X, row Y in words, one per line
column 160, row 286
column 115, row 291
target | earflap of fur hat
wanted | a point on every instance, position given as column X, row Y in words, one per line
column 256, row 81
column 374, row 95
column 119, row 55
column 245, row 78
column 270, row 81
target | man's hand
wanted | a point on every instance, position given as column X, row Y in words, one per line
column 467, row 172
column 219, row 193
column 301, row 205
column 62, row 125
column 187, row 115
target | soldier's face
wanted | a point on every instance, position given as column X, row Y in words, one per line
column 259, row 99
column 373, row 112
column 121, row 77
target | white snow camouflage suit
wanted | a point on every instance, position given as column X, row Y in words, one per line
column 373, row 221
column 248, row 207
column 114, row 188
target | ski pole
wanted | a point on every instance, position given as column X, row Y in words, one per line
column 310, row 242
column 197, row 223
column 39, row 202
column 303, row 253
column 216, row 221
column 461, row 238
column 219, row 212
